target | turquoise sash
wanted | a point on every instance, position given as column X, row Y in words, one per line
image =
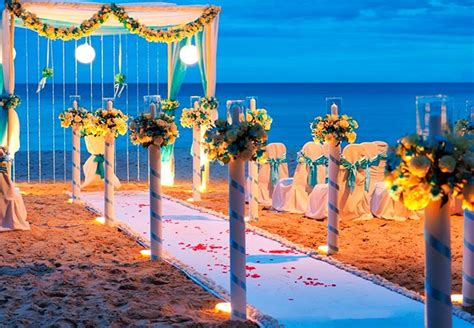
column 352, row 169
column 275, row 168
column 313, row 167
column 99, row 159
column 166, row 153
column 371, row 163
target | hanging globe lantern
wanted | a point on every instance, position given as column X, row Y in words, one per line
column 85, row 54
column 189, row 54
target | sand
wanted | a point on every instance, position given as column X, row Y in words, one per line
column 71, row 271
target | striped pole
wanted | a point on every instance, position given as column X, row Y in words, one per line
column 156, row 208
column 438, row 306
column 196, row 160
column 109, row 211
column 238, row 287
column 76, row 160
column 333, row 193
column 253, row 177
column 468, row 260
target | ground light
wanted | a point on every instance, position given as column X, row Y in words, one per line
column 223, row 307
column 100, row 219
column 456, row 299
column 323, row 249
column 145, row 252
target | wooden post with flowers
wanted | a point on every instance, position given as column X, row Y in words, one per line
column 156, row 207
column 109, row 197
column 76, row 157
column 333, row 191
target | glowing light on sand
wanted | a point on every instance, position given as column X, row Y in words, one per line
column 202, row 188
column 223, row 307
column 246, row 219
column 69, row 201
column 85, row 54
column 189, row 54
column 190, row 200
column 456, row 299
column 100, row 219
column 323, row 249
column 145, row 252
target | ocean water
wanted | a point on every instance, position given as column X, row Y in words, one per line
column 385, row 111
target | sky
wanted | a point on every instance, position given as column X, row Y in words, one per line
column 328, row 41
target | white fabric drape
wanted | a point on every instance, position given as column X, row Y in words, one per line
column 12, row 209
column 95, row 146
column 209, row 55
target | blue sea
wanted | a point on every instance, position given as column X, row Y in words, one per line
column 385, row 111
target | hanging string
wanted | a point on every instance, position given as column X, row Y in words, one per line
column 53, row 103
column 90, row 75
column 75, row 68
column 27, row 70
column 127, row 110
column 113, row 80
column 148, row 67
column 39, row 112
column 138, row 101
column 157, row 68
column 120, row 55
column 64, row 107
column 102, row 66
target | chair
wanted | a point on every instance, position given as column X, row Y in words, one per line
column 354, row 201
column 274, row 169
column 376, row 154
column 291, row 194
column 385, row 207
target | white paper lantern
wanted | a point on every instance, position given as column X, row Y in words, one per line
column 85, row 54
column 189, row 54
column 1, row 55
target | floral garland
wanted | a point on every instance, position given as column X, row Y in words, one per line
column 104, row 122
column 90, row 25
column 260, row 116
column 10, row 102
column 169, row 106
column 225, row 142
column 334, row 128
column 418, row 172
column 200, row 116
column 464, row 127
column 146, row 130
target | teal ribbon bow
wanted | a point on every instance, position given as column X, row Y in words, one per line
column 166, row 153
column 313, row 166
column 275, row 168
column 352, row 169
column 99, row 159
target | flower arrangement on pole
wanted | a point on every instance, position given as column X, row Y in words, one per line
column 261, row 117
column 146, row 130
column 334, row 128
column 200, row 115
column 107, row 121
column 169, row 106
column 10, row 102
column 70, row 116
column 418, row 171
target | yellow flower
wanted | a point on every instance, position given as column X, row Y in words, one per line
column 343, row 124
column 419, row 166
column 351, row 137
column 417, row 198
column 77, row 119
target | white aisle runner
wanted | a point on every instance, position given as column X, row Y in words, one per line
column 295, row 289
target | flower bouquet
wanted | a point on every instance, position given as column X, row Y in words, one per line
column 261, row 117
column 45, row 75
column 225, row 142
column 418, row 172
column 464, row 127
column 119, row 84
column 70, row 116
column 10, row 102
column 169, row 106
column 146, row 130
column 106, row 121
column 334, row 128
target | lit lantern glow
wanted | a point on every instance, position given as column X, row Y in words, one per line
column 145, row 252
column 1, row 55
column 456, row 299
column 223, row 307
column 189, row 54
column 190, row 200
column 85, row 54
column 323, row 250
column 100, row 220
column 69, row 201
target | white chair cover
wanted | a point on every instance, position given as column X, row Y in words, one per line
column 385, row 207
column 12, row 209
column 375, row 153
column 265, row 185
column 95, row 146
column 352, row 205
column 291, row 194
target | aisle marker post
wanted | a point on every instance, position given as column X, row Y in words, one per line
column 109, row 162
column 76, row 157
column 156, row 207
column 237, row 229
column 333, row 192
column 438, row 306
column 253, row 176
column 197, row 175
column 468, row 260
